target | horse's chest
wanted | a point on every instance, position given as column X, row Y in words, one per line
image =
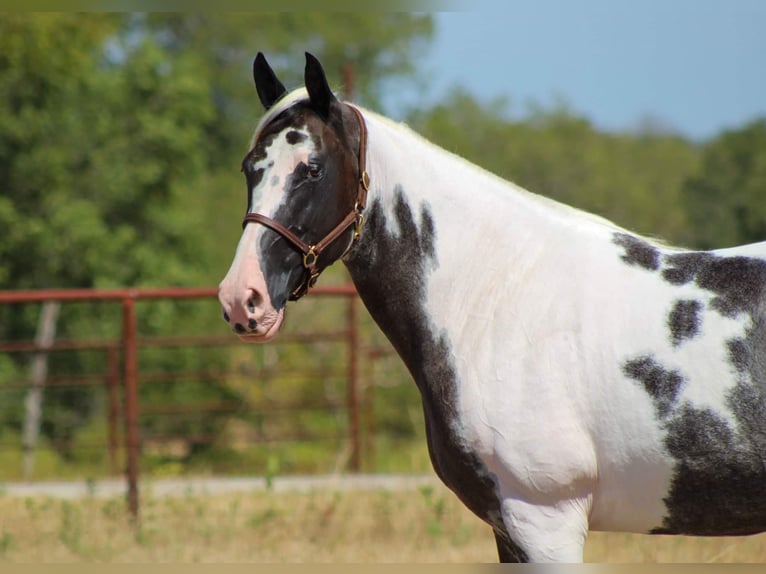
column 456, row 463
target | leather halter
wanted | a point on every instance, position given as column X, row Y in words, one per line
column 311, row 252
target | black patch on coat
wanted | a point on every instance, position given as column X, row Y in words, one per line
column 390, row 272
column 748, row 398
column 719, row 483
column 737, row 282
column 637, row 251
column 718, row 486
column 294, row 137
column 684, row 320
column 663, row 385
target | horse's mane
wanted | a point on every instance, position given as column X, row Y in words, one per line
column 547, row 203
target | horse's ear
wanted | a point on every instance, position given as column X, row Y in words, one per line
column 270, row 89
column 316, row 84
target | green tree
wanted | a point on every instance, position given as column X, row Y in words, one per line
column 632, row 179
column 100, row 135
column 120, row 142
column 725, row 198
column 95, row 155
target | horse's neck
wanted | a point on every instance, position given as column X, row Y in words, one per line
column 437, row 228
column 445, row 238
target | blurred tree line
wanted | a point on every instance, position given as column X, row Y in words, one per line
column 121, row 137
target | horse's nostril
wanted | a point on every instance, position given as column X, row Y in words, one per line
column 251, row 305
column 239, row 328
column 225, row 316
column 252, row 323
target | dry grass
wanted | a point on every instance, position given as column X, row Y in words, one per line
column 426, row 525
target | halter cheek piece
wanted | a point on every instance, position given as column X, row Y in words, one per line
column 310, row 252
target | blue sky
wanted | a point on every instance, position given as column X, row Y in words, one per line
column 697, row 66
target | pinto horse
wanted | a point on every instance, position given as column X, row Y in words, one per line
column 573, row 375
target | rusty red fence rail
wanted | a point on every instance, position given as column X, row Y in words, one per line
column 127, row 375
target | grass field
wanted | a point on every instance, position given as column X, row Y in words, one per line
column 420, row 525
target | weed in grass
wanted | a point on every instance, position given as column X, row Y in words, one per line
column 6, row 543
column 435, row 505
column 174, row 505
column 263, row 517
column 234, row 509
column 113, row 509
column 31, row 506
column 385, row 513
column 70, row 530
column 461, row 536
column 434, row 528
column 272, row 469
column 145, row 536
column 90, row 487
column 199, row 508
column 207, row 532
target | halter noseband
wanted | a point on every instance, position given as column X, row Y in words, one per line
column 311, row 253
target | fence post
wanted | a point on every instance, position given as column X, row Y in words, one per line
column 130, row 372
column 369, row 413
column 353, row 384
column 113, row 415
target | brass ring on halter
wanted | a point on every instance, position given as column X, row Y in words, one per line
column 310, row 257
column 359, row 224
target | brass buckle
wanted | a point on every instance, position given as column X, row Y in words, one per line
column 365, row 181
column 310, row 257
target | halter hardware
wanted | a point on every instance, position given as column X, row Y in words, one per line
column 311, row 253
column 310, row 257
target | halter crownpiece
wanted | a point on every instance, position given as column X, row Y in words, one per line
column 311, row 252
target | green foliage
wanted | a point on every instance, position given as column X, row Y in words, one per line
column 436, row 508
column 632, row 179
column 120, row 139
column 70, row 529
column 96, row 155
column 726, row 196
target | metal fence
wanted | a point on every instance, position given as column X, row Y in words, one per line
column 132, row 426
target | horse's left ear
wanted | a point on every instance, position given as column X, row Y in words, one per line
column 316, row 84
column 270, row 89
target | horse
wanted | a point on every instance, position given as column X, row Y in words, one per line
column 574, row 376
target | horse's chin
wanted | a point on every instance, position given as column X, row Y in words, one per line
column 266, row 331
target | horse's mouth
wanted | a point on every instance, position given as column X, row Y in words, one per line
column 265, row 331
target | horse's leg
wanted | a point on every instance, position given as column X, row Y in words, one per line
column 546, row 532
column 507, row 551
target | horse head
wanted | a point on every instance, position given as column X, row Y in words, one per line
column 306, row 189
